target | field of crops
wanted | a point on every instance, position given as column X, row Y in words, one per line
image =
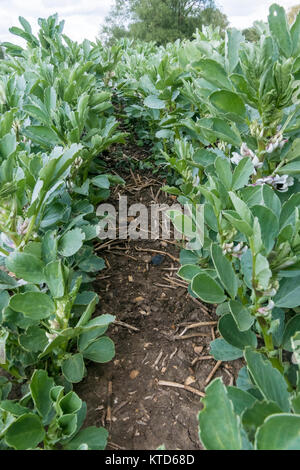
column 212, row 124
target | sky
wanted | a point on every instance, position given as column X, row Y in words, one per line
column 84, row 17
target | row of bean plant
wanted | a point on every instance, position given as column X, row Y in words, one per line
column 56, row 118
column 225, row 114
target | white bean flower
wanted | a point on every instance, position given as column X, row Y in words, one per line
column 280, row 183
column 51, row 337
column 236, row 158
column 236, row 251
column 22, row 226
column 276, row 142
column 7, row 241
column 246, row 152
column 267, row 309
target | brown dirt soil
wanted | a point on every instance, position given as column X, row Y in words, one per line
column 125, row 395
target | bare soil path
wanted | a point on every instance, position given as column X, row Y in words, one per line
column 130, row 396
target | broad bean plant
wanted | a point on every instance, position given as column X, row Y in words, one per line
column 223, row 116
column 46, row 418
column 245, row 172
column 56, row 118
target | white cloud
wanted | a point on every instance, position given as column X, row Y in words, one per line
column 242, row 13
column 84, row 17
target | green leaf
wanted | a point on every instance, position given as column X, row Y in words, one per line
column 288, row 294
column 254, row 417
column 50, row 99
column 233, row 40
column 287, row 215
column 102, row 350
column 207, row 289
column 85, row 297
column 62, row 338
column 92, row 264
column 25, row 433
column 228, row 102
column 35, row 305
column 269, row 380
column 55, row 278
column 73, row 368
column 67, row 424
column 223, row 351
column 188, row 271
column 34, row 340
column 269, row 225
column 269, row 199
column 292, row 169
column 242, row 173
column 94, row 438
column 86, row 315
column 40, row 388
column 42, row 135
column 204, row 157
column 238, row 223
column 219, row 426
column 223, row 169
column 294, row 151
column 291, row 328
column 224, row 270
column 277, row 329
column 25, row 24
column 70, row 403
column 295, row 35
column 25, row 34
column 90, row 336
column 230, row 332
column 8, row 145
column 241, row 208
column 241, row 399
column 40, row 114
column 26, row 266
column 279, row 29
column 153, row 102
column 13, row 408
column 91, row 231
column 295, row 401
column 225, row 132
column 241, row 315
column 49, row 246
column 6, row 281
column 33, row 248
column 183, row 223
column 93, row 329
column 101, row 181
column 263, row 273
column 279, row 432
column 214, row 73
column 71, row 242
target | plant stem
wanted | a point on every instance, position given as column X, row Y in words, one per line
column 275, row 361
column 30, row 228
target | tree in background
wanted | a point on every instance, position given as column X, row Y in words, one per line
column 251, row 34
column 116, row 23
column 292, row 13
column 161, row 20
